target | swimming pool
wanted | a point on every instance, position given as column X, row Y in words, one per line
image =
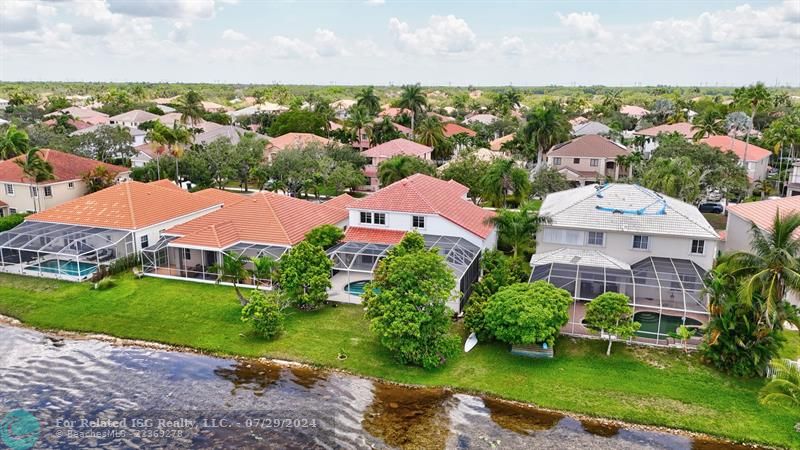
column 356, row 287
column 71, row 268
column 649, row 323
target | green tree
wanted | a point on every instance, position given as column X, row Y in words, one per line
column 413, row 99
column 264, row 313
column 468, row 170
column 56, row 103
column 37, row 170
column 682, row 334
column 708, row 124
column 501, row 177
column 358, row 122
column 406, row 304
column 367, row 99
column 499, row 271
column 784, row 134
column 264, row 268
column 325, row 236
column 754, row 97
column 546, row 126
column 247, row 155
column 299, row 121
column 784, row 388
column 517, row 228
column 99, row 178
column 430, row 132
column 549, row 180
column 306, row 275
column 677, row 178
column 612, row 100
column 233, row 270
column 190, row 105
column 20, row 97
column 13, row 142
column 210, row 164
column 527, row 313
column 107, row 143
column 384, row 131
column 610, row 313
column 344, row 176
column 401, row 166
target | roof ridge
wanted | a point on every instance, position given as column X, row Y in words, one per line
column 274, row 213
column 130, row 205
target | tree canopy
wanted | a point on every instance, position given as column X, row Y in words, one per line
column 527, row 313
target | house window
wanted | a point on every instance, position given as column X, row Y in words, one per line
column 366, row 217
column 556, row 161
column 641, row 242
column 144, row 241
column 379, row 218
column 71, row 185
column 594, row 162
column 12, row 210
column 418, row 221
column 698, row 246
column 576, row 160
column 568, row 237
column 48, row 191
column 595, row 238
column 187, row 254
column 34, row 191
column 10, row 189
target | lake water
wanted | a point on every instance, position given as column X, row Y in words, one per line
column 88, row 393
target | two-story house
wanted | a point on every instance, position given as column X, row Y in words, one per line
column 438, row 209
column 133, row 118
column 651, row 134
column 22, row 194
column 380, row 153
column 588, row 159
column 793, row 184
column 757, row 163
column 628, row 239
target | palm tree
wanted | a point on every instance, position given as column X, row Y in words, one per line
column 98, row 178
column 264, row 268
column 773, row 267
column 366, row 98
column 784, row 388
column 546, row 126
column 398, row 167
column 159, row 134
column 13, row 142
column 709, row 124
column 178, row 138
column 613, row 99
column 413, row 99
column 384, row 131
column 781, row 134
column 232, row 269
column 430, row 132
column 37, row 170
column 676, row 177
column 191, row 108
column 501, row 177
column 359, row 119
column 518, row 227
column 754, row 96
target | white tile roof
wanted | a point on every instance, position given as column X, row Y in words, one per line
column 627, row 208
column 580, row 257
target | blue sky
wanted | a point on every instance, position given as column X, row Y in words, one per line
column 394, row 41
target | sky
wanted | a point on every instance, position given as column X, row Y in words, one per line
column 460, row 43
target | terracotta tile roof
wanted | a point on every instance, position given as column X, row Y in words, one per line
column 136, row 116
column 261, row 218
column 341, row 201
column 754, row 152
column 497, row 144
column 151, row 149
column 634, row 111
column 77, row 123
column 589, row 146
column 295, row 140
column 682, row 128
column 763, row 212
column 165, row 183
column 393, row 112
column 397, row 147
column 373, row 235
column 423, row 194
column 3, row 204
column 441, row 117
column 452, row 129
column 227, row 198
column 66, row 166
column 128, row 206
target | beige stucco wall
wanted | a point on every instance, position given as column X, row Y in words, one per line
column 23, row 201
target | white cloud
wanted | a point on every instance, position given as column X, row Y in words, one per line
column 328, row 44
column 375, row 2
column 585, row 24
column 513, row 46
column 176, row 9
column 443, row 35
column 232, row 35
column 179, row 32
column 23, row 15
column 285, row 47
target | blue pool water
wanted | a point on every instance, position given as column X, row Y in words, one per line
column 356, row 287
column 71, row 268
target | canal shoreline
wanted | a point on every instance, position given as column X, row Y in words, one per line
column 56, row 336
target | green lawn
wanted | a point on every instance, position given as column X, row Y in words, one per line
column 718, row 221
column 635, row 384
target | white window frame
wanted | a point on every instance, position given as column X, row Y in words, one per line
column 187, row 254
column 365, row 217
column 556, row 160
column 48, row 189
column 381, row 216
column 71, row 185
column 418, row 219
column 701, row 244
column 594, row 162
column 34, row 192
column 642, row 239
column 10, row 189
column 144, row 239
column 594, row 234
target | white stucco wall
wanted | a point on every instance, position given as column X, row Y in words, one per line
column 153, row 232
column 23, row 201
column 620, row 245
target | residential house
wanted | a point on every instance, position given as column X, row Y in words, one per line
column 86, row 115
column 341, row 108
column 71, row 240
column 137, row 136
column 170, row 119
column 757, row 158
column 231, row 132
column 793, row 185
column 628, row 239
column 292, row 141
column 380, row 153
column 486, row 119
column 3, row 103
column 267, row 107
column 588, row 159
column 651, row 134
column 590, row 127
column 452, row 129
column 21, row 194
column 145, row 153
column 133, row 118
column 497, row 144
column 744, row 216
column 637, row 112
column 214, row 107
column 262, row 224
column 438, row 209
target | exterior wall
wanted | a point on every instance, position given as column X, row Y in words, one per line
column 738, row 233
column 757, row 170
column 434, row 224
column 140, row 159
column 583, row 166
column 23, row 201
column 372, row 168
column 620, row 245
column 153, row 232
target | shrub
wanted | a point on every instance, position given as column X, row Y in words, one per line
column 105, row 283
column 264, row 312
column 11, row 221
column 499, row 271
column 610, row 312
column 124, row 264
column 527, row 313
column 325, row 236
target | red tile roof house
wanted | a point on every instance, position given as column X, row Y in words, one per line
column 292, row 140
column 587, row 159
column 757, row 157
column 262, row 224
column 382, row 152
column 743, row 216
column 21, row 194
column 438, row 209
column 70, row 240
column 651, row 134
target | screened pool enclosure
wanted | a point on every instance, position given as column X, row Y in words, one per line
column 664, row 292
column 55, row 250
column 354, row 263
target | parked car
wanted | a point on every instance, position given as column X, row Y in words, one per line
column 714, row 195
column 709, row 207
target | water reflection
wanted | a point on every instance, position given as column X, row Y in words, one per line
column 598, row 428
column 520, row 418
column 408, row 418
